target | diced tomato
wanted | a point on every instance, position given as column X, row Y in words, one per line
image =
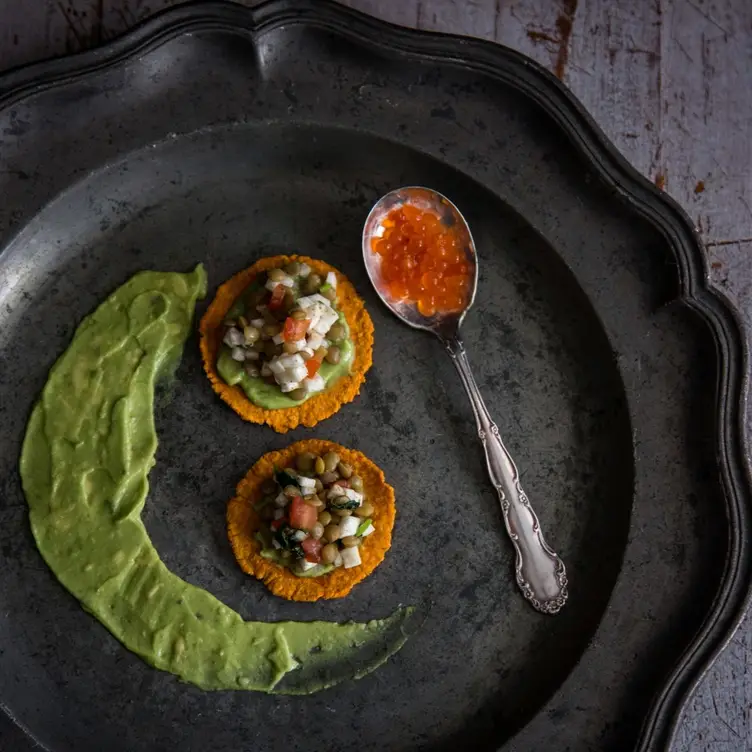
column 313, row 366
column 277, row 524
column 302, row 516
column 295, row 330
column 312, row 549
column 278, row 297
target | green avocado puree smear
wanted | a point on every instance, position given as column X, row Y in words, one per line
column 88, row 449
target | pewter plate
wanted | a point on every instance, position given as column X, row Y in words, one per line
column 219, row 134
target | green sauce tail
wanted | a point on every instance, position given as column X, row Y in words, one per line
column 89, row 446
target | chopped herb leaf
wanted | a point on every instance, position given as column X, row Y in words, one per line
column 284, row 537
column 342, row 502
column 284, row 478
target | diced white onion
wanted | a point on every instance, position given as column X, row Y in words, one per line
column 331, row 279
column 319, row 298
column 305, row 270
column 298, row 373
column 313, row 317
column 285, row 282
column 278, row 339
column 258, row 323
column 349, row 526
column 276, row 543
column 335, row 492
column 305, row 482
column 326, row 320
column 315, row 384
column 315, row 340
column 338, row 560
column 238, row 353
column 370, row 529
column 304, row 565
column 354, row 495
column 350, row 557
column 233, row 337
column 281, row 500
column 299, row 535
column 276, row 366
column 279, row 514
column 288, row 386
column 291, row 361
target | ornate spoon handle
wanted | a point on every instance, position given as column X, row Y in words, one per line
column 540, row 572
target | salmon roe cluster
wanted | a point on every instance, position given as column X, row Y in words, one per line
column 423, row 261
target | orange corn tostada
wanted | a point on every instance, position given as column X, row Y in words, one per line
column 287, row 342
column 312, row 520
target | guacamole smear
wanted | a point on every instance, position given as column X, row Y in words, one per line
column 88, row 449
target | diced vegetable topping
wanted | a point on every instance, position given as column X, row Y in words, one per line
column 312, row 549
column 284, row 479
column 295, row 329
column 302, row 516
column 280, row 329
column 364, row 525
column 349, row 526
column 350, row 557
column 278, row 297
column 312, row 367
column 340, row 502
column 315, row 383
column 317, row 514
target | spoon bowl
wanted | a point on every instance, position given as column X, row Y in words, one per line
column 540, row 573
column 444, row 325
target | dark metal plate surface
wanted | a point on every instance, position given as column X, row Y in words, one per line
column 219, row 134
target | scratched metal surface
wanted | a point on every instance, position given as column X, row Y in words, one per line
column 667, row 80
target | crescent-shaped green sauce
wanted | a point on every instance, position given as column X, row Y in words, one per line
column 89, row 446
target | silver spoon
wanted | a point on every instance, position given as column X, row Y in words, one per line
column 540, row 572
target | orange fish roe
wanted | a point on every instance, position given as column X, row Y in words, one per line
column 423, row 261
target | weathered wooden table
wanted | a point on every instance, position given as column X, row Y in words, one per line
column 669, row 83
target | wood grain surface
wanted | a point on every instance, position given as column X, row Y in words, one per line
column 669, row 83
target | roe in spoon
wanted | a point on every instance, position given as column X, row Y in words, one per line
column 434, row 293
